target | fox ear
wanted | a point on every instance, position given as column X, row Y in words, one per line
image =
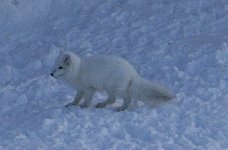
column 67, row 60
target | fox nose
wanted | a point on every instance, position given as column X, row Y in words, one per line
column 52, row 73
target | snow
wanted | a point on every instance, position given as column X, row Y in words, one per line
column 181, row 44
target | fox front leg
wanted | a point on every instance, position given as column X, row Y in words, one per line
column 77, row 99
column 111, row 99
column 88, row 95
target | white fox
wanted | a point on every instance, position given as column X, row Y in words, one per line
column 106, row 73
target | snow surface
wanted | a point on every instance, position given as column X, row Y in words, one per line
column 181, row 44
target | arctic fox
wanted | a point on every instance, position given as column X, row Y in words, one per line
column 106, row 73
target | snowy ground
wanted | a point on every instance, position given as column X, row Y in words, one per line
column 181, row 44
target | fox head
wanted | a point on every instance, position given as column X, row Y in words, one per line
column 62, row 65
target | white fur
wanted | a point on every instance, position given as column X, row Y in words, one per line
column 109, row 73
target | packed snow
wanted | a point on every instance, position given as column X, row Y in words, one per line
column 180, row 44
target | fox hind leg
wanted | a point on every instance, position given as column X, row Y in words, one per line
column 126, row 98
column 126, row 102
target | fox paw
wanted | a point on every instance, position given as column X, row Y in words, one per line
column 83, row 105
column 120, row 109
column 100, row 105
column 70, row 104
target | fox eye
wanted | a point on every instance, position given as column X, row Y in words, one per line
column 60, row 67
